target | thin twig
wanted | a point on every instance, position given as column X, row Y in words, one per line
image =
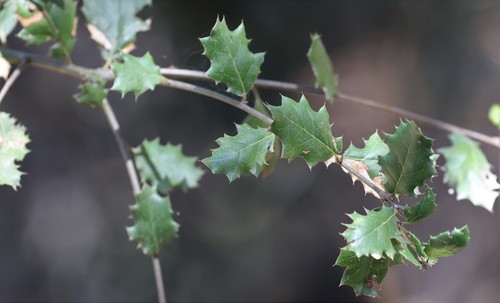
column 159, row 279
column 122, row 146
column 293, row 87
column 136, row 187
column 10, row 81
column 80, row 72
column 209, row 93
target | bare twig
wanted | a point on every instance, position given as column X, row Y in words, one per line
column 10, row 81
column 136, row 187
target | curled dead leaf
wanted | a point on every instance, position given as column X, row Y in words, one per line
column 362, row 169
column 4, row 68
column 99, row 37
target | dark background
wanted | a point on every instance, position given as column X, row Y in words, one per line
column 276, row 238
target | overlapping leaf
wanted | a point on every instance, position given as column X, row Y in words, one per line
column 364, row 274
column 154, row 225
column 425, row 207
column 372, row 234
column 56, row 22
column 410, row 161
column 165, row 166
column 113, row 23
column 304, row 132
column 322, row 67
column 13, row 140
column 91, row 93
column 374, row 148
column 447, row 243
column 231, row 62
column 136, row 74
column 468, row 172
column 244, row 152
column 8, row 19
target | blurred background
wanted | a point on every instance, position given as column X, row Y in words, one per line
column 267, row 239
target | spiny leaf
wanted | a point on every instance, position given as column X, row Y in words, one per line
column 57, row 23
column 422, row 209
column 244, row 152
column 413, row 251
column 494, row 114
column 231, row 61
column 372, row 234
column 165, row 166
column 467, row 171
column 364, row 273
column 322, row 67
column 136, row 74
column 8, row 19
column 13, row 140
column 304, row 132
column 409, row 162
column 91, row 93
column 113, row 23
column 447, row 244
column 154, row 226
column 374, row 147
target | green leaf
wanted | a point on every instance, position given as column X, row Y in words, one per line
column 425, row 207
column 374, row 147
column 136, row 74
column 364, row 273
column 468, row 172
column 91, row 93
column 8, row 19
column 410, row 161
column 154, row 226
column 413, row 251
column 447, row 243
column 494, row 114
column 231, row 61
column 322, row 67
column 57, row 24
column 372, row 234
column 165, row 166
column 114, row 24
column 244, row 152
column 13, row 140
column 304, row 132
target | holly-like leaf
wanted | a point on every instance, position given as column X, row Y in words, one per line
column 447, row 244
column 494, row 114
column 154, row 226
column 468, row 172
column 304, row 132
column 374, row 148
column 91, row 93
column 165, row 166
column 113, row 23
column 410, row 161
column 57, row 21
column 136, row 74
column 8, row 19
column 364, row 273
column 372, row 234
column 13, row 140
column 322, row 67
column 244, row 152
column 231, row 62
column 425, row 207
